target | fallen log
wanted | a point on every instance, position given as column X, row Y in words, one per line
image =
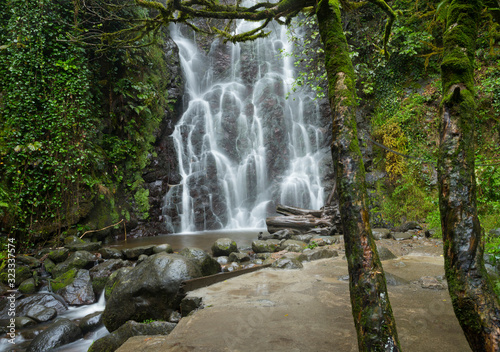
column 299, row 222
column 288, row 210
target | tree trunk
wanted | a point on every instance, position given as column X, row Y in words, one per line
column 476, row 306
column 373, row 318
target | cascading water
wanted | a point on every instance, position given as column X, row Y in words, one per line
column 241, row 145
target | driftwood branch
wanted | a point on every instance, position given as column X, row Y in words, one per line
column 104, row 228
column 288, row 210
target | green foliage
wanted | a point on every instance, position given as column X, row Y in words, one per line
column 312, row 245
column 47, row 116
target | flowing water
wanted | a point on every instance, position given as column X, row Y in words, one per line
column 242, row 146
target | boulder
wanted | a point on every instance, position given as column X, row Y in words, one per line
column 24, row 322
column 303, row 238
column 85, row 246
column 284, row 234
column 401, row 235
column 224, row 246
column 325, row 240
column 136, row 252
column 149, row 290
column 222, row 260
column 208, row 265
column 90, row 322
column 100, row 273
column 317, row 253
column 293, row 246
column 113, row 279
column 32, row 262
column 381, row 233
column 22, row 273
column 27, row 286
column 410, row 225
column 77, row 260
column 23, row 305
column 163, row 248
column 58, row 255
column 268, row 246
column 48, row 265
column 75, row 287
column 190, row 304
column 60, row 333
column 385, row 254
column 239, row 257
column 73, row 240
column 41, row 313
column 118, row 337
column 287, row 263
column 110, row 253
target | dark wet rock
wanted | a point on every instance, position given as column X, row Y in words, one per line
column 149, row 290
column 85, row 246
column 41, row 313
column 59, row 255
column 110, row 253
column 303, row 238
column 190, row 304
column 293, row 246
column 268, row 246
column 75, row 287
column 401, row 235
column 410, row 225
column 287, row 263
column 394, row 280
column 317, row 253
column 381, row 233
column 100, row 273
column 320, row 231
column 23, row 305
column 175, row 317
column 432, row 283
column 3, row 289
column 239, row 257
column 77, row 260
column 224, row 247
column 118, row 337
column 208, row 265
column 385, row 254
column 60, row 333
column 32, row 262
column 27, row 286
column 113, row 280
column 90, row 322
column 134, row 253
column 163, row 248
column 24, row 322
column 222, row 260
column 73, row 240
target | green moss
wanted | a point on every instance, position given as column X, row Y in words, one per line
column 63, row 280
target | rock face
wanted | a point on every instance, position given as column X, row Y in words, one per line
column 78, row 290
column 61, row 332
column 149, row 291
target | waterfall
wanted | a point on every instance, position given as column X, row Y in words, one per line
column 241, row 145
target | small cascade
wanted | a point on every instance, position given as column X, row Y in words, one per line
column 241, row 145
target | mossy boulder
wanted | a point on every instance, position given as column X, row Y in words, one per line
column 75, row 287
column 63, row 280
column 136, row 252
column 27, row 286
column 73, row 240
column 268, row 246
column 22, row 273
column 165, row 247
column 49, row 265
column 85, row 246
column 101, row 273
column 113, row 280
column 293, row 246
column 77, row 260
column 110, row 253
column 208, row 265
column 224, row 247
column 59, row 255
column 287, row 263
column 60, row 333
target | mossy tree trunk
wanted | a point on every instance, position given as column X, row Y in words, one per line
column 476, row 306
column 373, row 318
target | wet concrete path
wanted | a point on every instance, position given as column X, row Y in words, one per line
column 309, row 310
